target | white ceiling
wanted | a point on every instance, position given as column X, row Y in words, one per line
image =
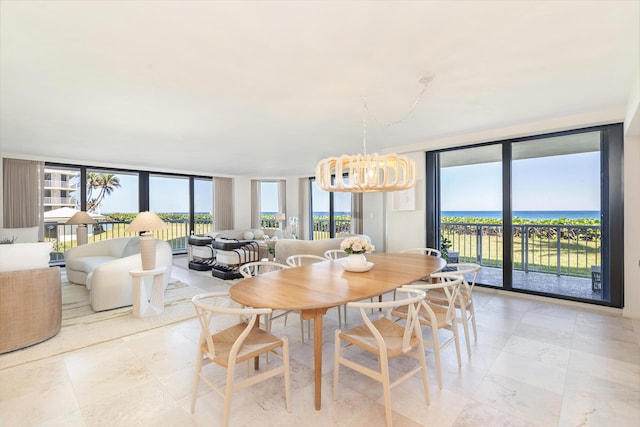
column 268, row 88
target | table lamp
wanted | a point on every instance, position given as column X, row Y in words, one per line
column 144, row 223
column 280, row 217
column 81, row 219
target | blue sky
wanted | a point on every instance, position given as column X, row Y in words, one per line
column 570, row 182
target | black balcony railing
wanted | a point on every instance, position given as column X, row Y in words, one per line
column 63, row 235
column 569, row 250
column 322, row 229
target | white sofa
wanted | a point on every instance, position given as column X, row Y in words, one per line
column 243, row 234
column 25, row 256
column 104, row 268
column 20, row 235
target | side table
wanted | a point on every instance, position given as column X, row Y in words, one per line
column 148, row 299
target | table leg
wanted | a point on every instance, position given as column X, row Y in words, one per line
column 317, row 355
column 316, row 315
column 256, row 360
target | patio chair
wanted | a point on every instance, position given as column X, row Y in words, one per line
column 387, row 340
column 233, row 345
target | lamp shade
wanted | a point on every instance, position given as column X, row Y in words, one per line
column 81, row 217
column 281, row 216
column 146, row 221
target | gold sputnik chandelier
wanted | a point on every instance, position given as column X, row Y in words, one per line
column 363, row 173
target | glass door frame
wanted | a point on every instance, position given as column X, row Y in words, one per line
column 611, row 207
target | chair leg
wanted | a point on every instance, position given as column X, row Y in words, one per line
column 301, row 328
column 386, row 388
column 344, row 308
column 287, row 375
column 456, row 337
column 336, row 365
column 465, row 325
column 436, row 352
column 339, row 318
column 196, row 380
column 473, row 322
column 425, row 380
column 228, row 391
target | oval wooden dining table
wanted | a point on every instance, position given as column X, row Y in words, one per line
column 315, row 288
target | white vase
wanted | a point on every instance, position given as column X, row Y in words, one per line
column 357, row 260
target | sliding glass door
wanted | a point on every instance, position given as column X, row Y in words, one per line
column 556, row 215
column 331, row 214
column 471, row 208
column 541, row 215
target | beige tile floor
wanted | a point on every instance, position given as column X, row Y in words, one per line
column 535, row 363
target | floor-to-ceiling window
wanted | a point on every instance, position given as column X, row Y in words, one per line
column 169, row 198
column 556, row 215
column 331, row 213
column 202, row 205
column 113, row 197
column 270, row 210
column 471, row 206
column 541, row 214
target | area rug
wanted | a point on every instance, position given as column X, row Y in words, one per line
column 82, row 327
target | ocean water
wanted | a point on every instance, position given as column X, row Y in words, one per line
column 525, row 214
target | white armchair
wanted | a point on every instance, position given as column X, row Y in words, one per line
column 104, row 268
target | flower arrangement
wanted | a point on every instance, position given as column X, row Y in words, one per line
column 356, row 245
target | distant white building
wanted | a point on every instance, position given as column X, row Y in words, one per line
column 60, row 188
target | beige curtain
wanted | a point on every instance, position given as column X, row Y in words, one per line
column 303, row 208
column 23, row 204
column 356, row 216
column 255, row 204
column 223, row 203
column 282, row 199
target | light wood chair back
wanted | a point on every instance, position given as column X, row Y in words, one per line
column 335, row 254
column 423, row 251
column 303, row 259
column 464, row 303
column 437, row 316
column 387, row 340
column 256, row 268
column 241, row 342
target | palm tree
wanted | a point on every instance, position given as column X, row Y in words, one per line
column 93, row 183
column 105, row 184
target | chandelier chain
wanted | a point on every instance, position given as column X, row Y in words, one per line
column 425, row 83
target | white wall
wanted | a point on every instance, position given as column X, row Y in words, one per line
column 374, row 219
column 632, row 227
column 407, row 228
